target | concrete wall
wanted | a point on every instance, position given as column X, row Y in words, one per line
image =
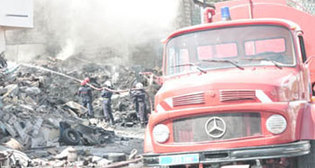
column 26, row 44
column 14, row 15
column 24, row 52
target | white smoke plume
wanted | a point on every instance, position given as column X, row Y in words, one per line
column 105, row 28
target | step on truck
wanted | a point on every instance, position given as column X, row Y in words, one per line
column 237, row 90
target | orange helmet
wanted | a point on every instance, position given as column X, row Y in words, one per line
column 83, row 83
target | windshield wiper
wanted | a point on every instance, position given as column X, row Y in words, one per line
column 264, row 59
column 227, row 61
column 190, row 64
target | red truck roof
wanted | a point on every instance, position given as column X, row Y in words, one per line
column 241, row 22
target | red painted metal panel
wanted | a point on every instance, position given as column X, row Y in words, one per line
column 308, row 124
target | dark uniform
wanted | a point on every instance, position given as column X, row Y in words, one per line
column 138, row 97
column 85, row 92
column 107, row 102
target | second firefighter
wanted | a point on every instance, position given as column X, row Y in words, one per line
column 107, row 102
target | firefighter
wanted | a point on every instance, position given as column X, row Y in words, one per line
column 107, row 109
column 138, row 96
column 85, row 92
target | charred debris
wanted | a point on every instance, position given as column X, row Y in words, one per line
column 41, row 116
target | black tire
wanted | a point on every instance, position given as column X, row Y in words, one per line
column 63, row 126
column 71, row 137
column 307, row 161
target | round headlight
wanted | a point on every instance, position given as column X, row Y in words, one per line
column 276, row 124
column 161, row 133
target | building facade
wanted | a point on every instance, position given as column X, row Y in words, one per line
column 14, row 14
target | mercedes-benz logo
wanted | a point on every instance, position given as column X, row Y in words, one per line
column 215, row 127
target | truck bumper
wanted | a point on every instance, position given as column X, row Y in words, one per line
column 229, row 155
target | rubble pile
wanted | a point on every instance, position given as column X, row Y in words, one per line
column 33, row 105
column 36, row 103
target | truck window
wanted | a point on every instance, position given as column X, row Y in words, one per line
column 205, row 52
column 266, row 45
column 184, row 59
column 263, row 44
column 171, row 61
column 217, row 51
column 178, row 58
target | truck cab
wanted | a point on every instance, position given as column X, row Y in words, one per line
column 234, row 92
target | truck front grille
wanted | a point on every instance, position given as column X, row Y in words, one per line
column 237, row 125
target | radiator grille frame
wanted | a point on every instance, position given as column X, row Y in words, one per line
column 239, row 125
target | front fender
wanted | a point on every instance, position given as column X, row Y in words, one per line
column 308, row 123
column 147, row 145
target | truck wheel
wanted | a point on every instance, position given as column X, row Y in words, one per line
column 71, row 137
column 307, row 161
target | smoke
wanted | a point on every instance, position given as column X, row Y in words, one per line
column 105, row 30
column 67, row 51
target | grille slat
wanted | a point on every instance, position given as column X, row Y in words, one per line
column 196, row 98
column 229, row 95
column 190, row 99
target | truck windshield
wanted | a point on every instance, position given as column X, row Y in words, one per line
column 232, row 47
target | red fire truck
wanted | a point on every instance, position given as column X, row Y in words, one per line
column 237, row 90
